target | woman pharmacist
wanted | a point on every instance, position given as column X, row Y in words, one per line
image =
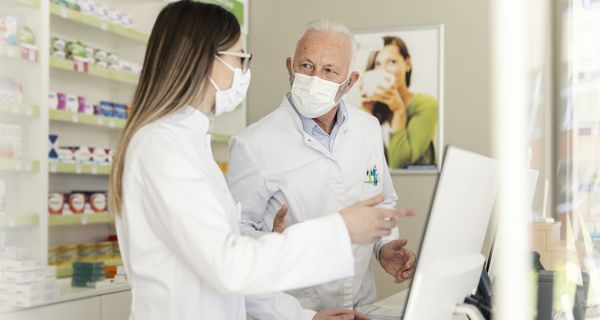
column 176, row 221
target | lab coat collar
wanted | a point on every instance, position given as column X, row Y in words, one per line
column 293, row 114
column 191, row 118
column 308, row 139
column 310, row 125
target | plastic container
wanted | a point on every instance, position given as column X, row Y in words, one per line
column 77, row 203
column 52, row 100
column 62, row 101
column 66, row 154
column 81, row 104
column 56, row 202
column 98, row 202
column 72, row 103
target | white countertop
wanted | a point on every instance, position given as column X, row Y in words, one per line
column 69, row 293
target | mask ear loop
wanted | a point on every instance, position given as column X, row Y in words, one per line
column 214, row 84
column 230, row 67
column 343, row 92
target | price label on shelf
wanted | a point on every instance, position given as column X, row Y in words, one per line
column 63, row 11
column 12, row 221
column 18, row 165
column 11, row 51
column 28, row 166
column 103, row 25
column 53, row 167
column 74, row 117
column 29, row 111
column 94, row 168
column 15, row 108
column 111, row 123
column 78, row 168
column 99, row 121
column 84, row 219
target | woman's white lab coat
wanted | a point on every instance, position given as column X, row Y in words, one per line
column 179, row 232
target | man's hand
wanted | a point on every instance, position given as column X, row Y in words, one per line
column 339, row 314
column 279, row 222
column 397, row 260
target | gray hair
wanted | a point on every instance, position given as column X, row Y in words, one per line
column 331, row 27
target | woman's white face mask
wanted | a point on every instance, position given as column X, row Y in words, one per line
column 313, row 96
column 227, row 100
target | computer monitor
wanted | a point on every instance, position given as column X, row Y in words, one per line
column 532, row 177
column 454, row 235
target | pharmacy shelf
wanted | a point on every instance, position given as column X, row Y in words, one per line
column 79, row 219
column 20, row 109
column 86, row 119
column 14, row 52
column 29, row 3
column 76, row 16
column 19, row 220
column 79, row 168
column 102, row 73
column 73, row 293
column 68, row 293
column 19, row 165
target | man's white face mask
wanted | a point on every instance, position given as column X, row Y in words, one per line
column 313, row 96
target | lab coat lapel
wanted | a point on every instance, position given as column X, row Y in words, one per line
column 308, row 140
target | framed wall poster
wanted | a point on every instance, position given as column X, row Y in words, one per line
column 401, row 84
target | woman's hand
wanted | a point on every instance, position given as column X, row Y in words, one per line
column 367, row 224
column 391, row 97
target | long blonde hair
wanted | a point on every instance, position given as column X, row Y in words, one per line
column 184, row 40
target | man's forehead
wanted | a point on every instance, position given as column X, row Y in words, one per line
column 324, row 44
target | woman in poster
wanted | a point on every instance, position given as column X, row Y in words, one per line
column 408, row 119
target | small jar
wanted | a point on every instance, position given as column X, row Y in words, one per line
column 55, row 203
column 98, row 202
column 77, row 203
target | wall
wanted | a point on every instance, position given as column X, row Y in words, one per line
column 275, row 25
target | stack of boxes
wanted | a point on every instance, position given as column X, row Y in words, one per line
column 106, row 252
column 12, row 40
column 78, row 154
column 25, row 281
column 80, row 52
column 79, row 104
column 86, row 274
column 99, row 10
column 77, row 202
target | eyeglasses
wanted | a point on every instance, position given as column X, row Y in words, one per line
column 244, row 58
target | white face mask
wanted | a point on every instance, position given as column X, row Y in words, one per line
column 313, row 96
column 227, row 100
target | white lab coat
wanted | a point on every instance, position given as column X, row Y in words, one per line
column 180, row 238
column 275, row 162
